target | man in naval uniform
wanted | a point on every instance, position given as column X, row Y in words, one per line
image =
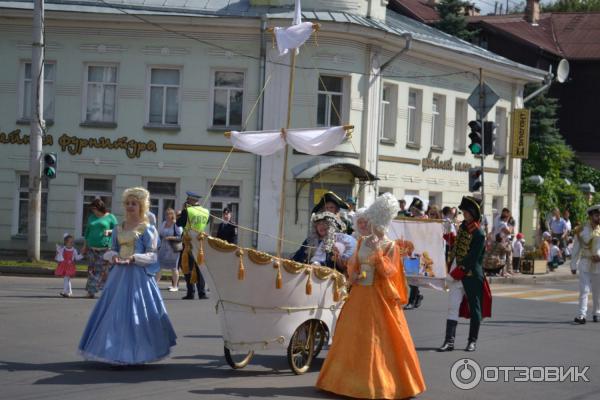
column 466, row 274
column 585, row 257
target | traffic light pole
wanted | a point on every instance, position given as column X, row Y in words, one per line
column 35, row 138
column 481, row 106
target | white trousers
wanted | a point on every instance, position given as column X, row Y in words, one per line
column 67, row 286
column 587, row 281
column 455, row 297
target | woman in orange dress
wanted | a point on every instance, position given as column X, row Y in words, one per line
column 372, row 355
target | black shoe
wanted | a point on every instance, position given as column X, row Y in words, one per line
column 409, row 306
column 595, row 318
column 471, row 347
column 188, row 297
column 447, row 346
column 580, row 320
column 418, row 301
column 202, row 297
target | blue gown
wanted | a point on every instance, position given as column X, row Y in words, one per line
column 129, row 324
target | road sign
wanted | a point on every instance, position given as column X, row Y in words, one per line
column 489, row 99
column 520, row 133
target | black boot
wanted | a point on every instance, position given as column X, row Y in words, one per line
column 473, row 334
column 411, row 297
column 418, row 301
column 450, row 334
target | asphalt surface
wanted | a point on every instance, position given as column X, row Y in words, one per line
column 39, row 333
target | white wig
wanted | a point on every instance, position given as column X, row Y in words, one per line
column 382, row 211
column 358, row 214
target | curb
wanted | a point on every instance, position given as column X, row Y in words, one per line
column 34, row 271
column 533, row 279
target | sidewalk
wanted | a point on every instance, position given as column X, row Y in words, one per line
column 562, row 273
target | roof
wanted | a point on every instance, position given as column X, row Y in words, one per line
column 420, row 10
column 394, row 23
column 574, row 36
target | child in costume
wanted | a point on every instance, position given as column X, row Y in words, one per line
column 373, row 355
column 66, row 255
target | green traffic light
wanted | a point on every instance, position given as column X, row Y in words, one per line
column 49, row 172
column 475, row 148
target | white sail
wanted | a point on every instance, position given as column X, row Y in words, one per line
column 294, row 36
column 313, row 141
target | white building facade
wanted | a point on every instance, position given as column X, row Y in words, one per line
column 145, row 100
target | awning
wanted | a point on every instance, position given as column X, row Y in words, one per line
column 309, row 169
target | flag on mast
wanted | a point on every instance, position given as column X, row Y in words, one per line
column 295, row 35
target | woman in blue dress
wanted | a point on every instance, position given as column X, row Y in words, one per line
column 129, row 324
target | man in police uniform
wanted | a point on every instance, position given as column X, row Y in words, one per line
column 183, row 221
column 466, row 273
column 585, row 258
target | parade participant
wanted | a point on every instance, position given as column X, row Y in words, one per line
column 189, row 267
column 416, row 211
column 518, row 252
column 373, row 355
column 227, row 229
column 466, row 276
column 360, row 223
column 403, row 211
column 170, row 248
column 332, row 203
column 449, row 228
column 97, row 242
column 325, row 245
column 129, row 324
column 585, row 258
column 66, row 256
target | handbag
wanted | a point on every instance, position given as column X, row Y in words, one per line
column 176, row 244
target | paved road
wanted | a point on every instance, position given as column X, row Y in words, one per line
column 39, row 333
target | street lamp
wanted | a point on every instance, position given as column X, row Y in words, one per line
column 535, row 180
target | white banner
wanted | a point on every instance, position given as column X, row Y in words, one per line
column 426, row 265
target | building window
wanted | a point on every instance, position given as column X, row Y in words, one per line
column 100, row 93
column 164, row 96
column 163, row 195
column 228, row 99
column 223, row 196
column 381, row 190
column 497, row 205
column 25, row 106
column 414, row 117
column 435, row 199
column 329, row 102
column 389, row 112
column 501, row 132
column 460, row 126
column 23, row 207
column 438, row 121
column 95, row 188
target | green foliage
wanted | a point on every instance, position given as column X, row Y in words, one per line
column 452, row 19
column 572, row 6
column 516, row 8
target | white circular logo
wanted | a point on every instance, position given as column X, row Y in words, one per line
column 465, row 374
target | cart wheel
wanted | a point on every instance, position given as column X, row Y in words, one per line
column 321, row 337
column 301, row 349
column 237, row 361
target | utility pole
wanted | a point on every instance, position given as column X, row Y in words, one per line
column 35, row 137
column 481, row 116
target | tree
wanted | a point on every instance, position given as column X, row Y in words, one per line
column 572, row 6
column 452, row 19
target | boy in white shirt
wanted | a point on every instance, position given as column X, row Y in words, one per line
column 554, row 256
column 518, row 252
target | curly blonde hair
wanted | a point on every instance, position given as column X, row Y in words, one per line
column 142, row 196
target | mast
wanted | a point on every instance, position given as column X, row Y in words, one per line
column 280, row 234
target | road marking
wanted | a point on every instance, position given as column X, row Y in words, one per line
column 535, row 293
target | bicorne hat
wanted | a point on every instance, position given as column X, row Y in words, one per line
column 472, row 205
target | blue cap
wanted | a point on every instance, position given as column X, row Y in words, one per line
column 192, row 194
column 350, row 200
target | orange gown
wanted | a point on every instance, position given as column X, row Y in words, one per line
column 372, row 355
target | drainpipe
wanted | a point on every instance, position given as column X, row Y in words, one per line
column 407, row 45
column 261, row 108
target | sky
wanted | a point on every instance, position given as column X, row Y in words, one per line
column 487, row 6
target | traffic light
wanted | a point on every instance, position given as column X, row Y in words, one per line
column 50, row 162
column 475, row 179
column 475, row 136
column 489, row 137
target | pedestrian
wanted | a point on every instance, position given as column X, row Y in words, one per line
column 433, row 212
column 554, row 256
column 97, row 241
column 449, row 229
column 466, row 277
column 188, row 264
column 415, row 297
column 518, row 252
column 227, row 229
column 129, row 324
column 585, row 259
column 503, row 227
column 170, row 248
column 403, row 211
column 558, row 228
column 151, row 218
column 568, row 240
column 545, row 245
column 372, row 355
column 66, row 255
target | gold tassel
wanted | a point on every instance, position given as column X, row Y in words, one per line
column 185, row 262
column 279, row 280
column 308, row 283
column 241, row 269
column 336, row 291
column 200, row 255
